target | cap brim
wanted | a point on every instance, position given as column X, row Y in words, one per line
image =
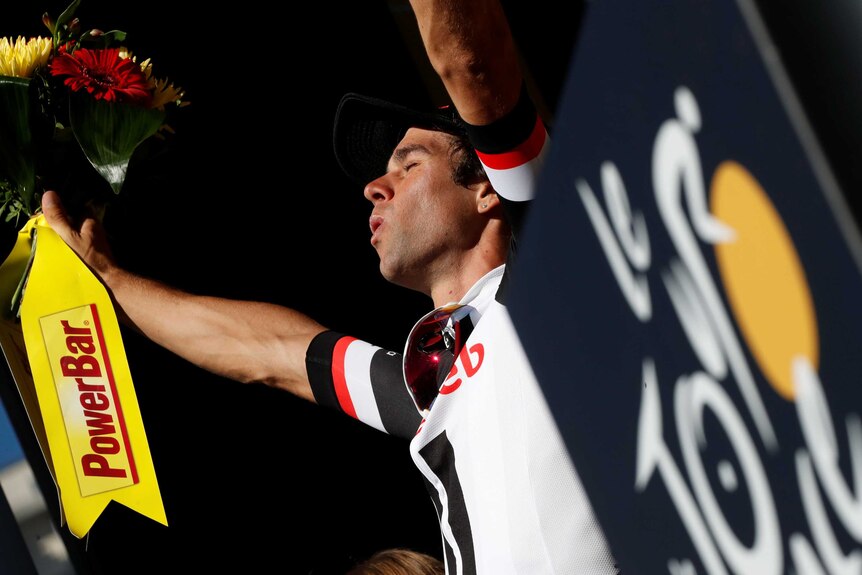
column 368, row 129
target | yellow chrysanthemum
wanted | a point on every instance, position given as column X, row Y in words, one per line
column 164, row 92
column 20, row 57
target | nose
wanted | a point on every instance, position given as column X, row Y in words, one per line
column 379, row 190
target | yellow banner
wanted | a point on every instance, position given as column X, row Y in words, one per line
column 86, row 416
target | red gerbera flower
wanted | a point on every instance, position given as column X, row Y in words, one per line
column 104, row 74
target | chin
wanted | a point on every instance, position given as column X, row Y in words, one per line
column 387, row 273
column 393, row 277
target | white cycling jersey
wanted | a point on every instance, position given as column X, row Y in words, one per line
column 507, row 495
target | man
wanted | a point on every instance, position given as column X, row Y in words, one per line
column 507, row 496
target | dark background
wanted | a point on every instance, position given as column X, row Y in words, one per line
column 248, row 202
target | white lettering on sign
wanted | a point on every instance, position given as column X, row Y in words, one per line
column 628, row 245
column 681, row 199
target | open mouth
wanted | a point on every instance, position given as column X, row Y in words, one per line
column 375, row 222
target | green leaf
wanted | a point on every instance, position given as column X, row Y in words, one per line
column 67, row 14
column 109, row 133
column 17, row 153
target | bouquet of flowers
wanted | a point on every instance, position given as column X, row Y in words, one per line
column 76, row 108
column 74, row 104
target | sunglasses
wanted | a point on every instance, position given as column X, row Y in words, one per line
column 432, row 346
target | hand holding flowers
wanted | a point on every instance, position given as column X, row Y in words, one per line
column 75, row 108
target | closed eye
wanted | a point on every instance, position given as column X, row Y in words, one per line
column 409, row 156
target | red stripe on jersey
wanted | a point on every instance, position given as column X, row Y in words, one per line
column 525, row 152
column 339, row 381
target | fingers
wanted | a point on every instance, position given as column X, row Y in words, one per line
column 59, row 221
column 55, row 215
column 50, row 200
column 86, row 238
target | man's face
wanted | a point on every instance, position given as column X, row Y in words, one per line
column 421, row 221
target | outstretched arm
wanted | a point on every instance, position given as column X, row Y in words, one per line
column 250, row 342
column 470, row 46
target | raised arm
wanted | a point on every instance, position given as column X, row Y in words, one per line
column 471, row 48
column 245, row 341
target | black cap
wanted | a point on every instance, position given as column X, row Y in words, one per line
column 368, row 129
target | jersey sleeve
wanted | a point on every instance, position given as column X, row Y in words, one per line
column 512, row 151
column 362, row 380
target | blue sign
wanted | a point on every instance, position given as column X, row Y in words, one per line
column 10, row 448
column 688, row 293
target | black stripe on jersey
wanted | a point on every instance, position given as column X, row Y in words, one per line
column 397, row 410
column 318, row 365
column 508, row 132
column 448, row 551
column 440, row 457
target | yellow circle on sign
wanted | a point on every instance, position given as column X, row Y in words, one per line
column 763, row 278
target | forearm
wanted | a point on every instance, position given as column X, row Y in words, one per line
column 470, row 46
column 250, row 342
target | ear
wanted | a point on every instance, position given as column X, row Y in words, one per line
column 486, row 197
